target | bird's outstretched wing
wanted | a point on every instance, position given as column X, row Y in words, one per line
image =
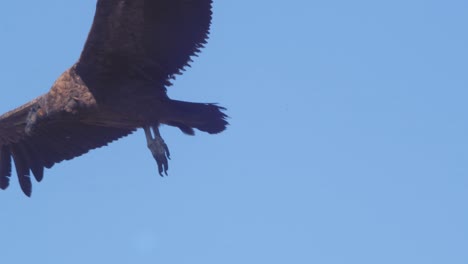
column 152, row 39
column 130, row 39
column 51, row 142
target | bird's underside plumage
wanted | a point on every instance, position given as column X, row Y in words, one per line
column 133, row 51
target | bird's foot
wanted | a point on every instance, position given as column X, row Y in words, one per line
column 158, row 148
column 34, row 116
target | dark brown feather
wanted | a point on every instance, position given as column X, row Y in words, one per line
column 22, row 169
column 5, row 166
column 34, row 159
column 50, row 143
column 151, row 39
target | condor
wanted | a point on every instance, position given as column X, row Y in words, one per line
column 134, row 50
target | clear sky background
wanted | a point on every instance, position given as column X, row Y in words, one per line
column 348, row 142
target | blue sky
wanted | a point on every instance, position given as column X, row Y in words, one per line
column 348, row 142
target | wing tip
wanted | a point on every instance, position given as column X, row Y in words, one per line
column 4, row 182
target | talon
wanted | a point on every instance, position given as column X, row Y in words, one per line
column 31, row 120
column 158, row 148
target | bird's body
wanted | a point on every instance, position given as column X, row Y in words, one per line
column 133, row 51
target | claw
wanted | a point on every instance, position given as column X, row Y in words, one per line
column 158, row 148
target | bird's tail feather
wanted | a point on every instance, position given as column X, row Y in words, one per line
column 204, row 117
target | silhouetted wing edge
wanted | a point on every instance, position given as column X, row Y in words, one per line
column 151, row 39
column 50, row 143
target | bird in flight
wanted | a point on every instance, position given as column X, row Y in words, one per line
column 134, row 50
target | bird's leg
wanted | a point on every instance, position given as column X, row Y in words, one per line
column 158, row 148
column 34, row 116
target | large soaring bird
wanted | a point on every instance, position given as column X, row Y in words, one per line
column 133, row 51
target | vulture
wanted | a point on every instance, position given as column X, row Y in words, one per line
column 133, row 52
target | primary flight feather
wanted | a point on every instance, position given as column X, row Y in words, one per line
column 133, row 51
